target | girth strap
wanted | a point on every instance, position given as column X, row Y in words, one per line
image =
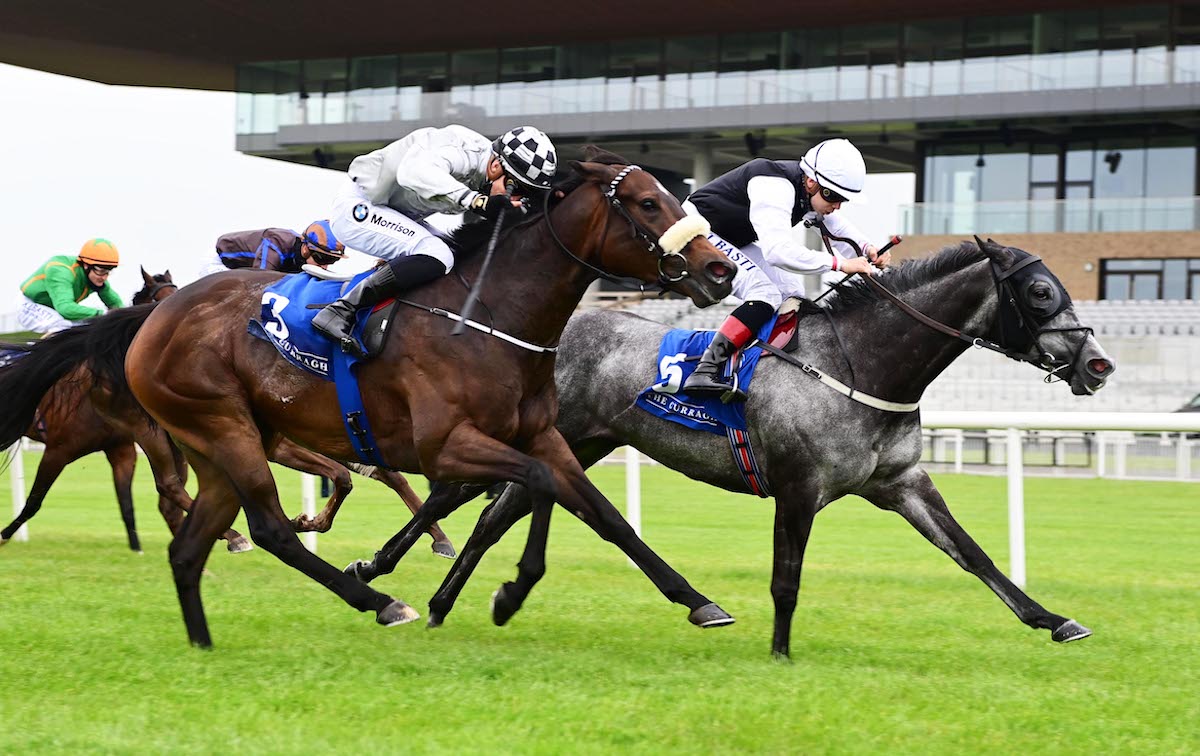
column 743, row 457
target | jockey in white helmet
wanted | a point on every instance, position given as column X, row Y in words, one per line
column 752, row 211
column 381, row 207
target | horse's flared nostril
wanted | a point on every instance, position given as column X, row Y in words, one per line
column 1099, row 367
column 719, row 272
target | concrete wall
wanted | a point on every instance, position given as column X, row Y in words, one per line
column 1068, row 254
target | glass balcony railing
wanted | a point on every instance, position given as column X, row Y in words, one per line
column 1075, row 215
column 1092, row 69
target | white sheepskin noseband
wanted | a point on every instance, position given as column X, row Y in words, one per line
column 683, row 231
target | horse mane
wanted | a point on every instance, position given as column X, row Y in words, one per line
column 471, row 238
column 906, row 276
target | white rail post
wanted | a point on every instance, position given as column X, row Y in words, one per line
column 16, row 473
column 633, row 490
column 1016, row 508
column 1121, row 455
column 1100, row 460
column 1183, row 458
column 958, row 450
column 308, row 505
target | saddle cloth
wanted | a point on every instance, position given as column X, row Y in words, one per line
column 288, row 307
column 678, row 355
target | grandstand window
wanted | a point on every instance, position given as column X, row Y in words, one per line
column 472, row 68
column 1175, row 278
column 528, row 64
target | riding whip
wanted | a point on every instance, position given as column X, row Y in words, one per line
column 473, row 296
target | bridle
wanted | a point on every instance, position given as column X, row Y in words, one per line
column 1012, row 310
column 149, row 295
column 653, row 246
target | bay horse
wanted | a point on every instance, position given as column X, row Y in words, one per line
column 70, row 427
column 76, row 415
column 464, row 411
column 813, row 444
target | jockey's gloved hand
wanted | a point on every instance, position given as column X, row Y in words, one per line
column 497, row 204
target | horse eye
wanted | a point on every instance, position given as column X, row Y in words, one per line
column 649, row 204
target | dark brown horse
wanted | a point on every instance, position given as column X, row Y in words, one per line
column 70, row 427
column 77, row 416
column 473, row 410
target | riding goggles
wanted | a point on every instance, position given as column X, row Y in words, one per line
column 831, row 196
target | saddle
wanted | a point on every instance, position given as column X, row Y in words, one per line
column 785, row 333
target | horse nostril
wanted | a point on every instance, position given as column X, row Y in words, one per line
column 719, row 271
column 1099, row 367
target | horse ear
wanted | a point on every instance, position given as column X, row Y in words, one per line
column 167, row 277
column 149, row 279
column 981, row 243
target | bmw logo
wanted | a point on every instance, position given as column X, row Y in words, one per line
column 360, row 212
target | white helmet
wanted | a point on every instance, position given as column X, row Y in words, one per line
column 836, row 165
column 528, row 156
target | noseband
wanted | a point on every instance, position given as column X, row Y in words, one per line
column 669, row 245
column 147, row 295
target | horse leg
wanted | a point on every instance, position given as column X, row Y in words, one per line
column 214, row 508
column 584, row 500
column 170, row 474
column 794, row 515
column 444, row 499
column 54, row 460
column 914, row 497
column 123, row 459
column 292, row 455
column 398, row 483
column 494, row 522
column 245, row 463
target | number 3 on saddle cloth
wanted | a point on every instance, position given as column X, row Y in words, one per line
column 678, row 355
column 288, row 307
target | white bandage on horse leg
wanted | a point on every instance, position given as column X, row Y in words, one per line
column 683, row 231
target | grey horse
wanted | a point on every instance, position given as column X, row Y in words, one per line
column 815, row 445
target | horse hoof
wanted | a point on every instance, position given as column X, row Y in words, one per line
column 782, row 657
column 710, row 615
column 396, row 613
column 444, row 549
column 501, row 606
column 239, row 545
column 1070, row 631
column 359, row 570
column 435, row 620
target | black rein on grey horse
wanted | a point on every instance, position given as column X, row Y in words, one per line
column 813, row 444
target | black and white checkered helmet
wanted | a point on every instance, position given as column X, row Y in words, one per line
column 528, row 156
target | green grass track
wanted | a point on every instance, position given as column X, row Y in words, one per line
column 894, row 648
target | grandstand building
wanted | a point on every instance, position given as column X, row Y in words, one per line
column 1064, row 127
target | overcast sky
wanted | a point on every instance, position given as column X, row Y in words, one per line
column 156, row 172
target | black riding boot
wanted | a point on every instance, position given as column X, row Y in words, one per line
column 336, row 321
column 706, row 380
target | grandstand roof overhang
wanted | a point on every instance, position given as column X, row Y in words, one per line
column 196, row 43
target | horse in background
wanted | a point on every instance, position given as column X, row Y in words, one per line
column 76, row 417
column 70, row 427
column 813, row 444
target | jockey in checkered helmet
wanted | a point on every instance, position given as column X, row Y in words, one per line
column 528, row 157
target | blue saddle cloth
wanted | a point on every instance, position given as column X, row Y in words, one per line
column 286, row 320
column 286, row 324
column 666, row 400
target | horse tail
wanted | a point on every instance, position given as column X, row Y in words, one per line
column 34, row 368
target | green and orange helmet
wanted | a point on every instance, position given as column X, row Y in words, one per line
column 100, row 252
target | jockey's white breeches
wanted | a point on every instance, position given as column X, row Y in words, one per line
column 380, row 231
